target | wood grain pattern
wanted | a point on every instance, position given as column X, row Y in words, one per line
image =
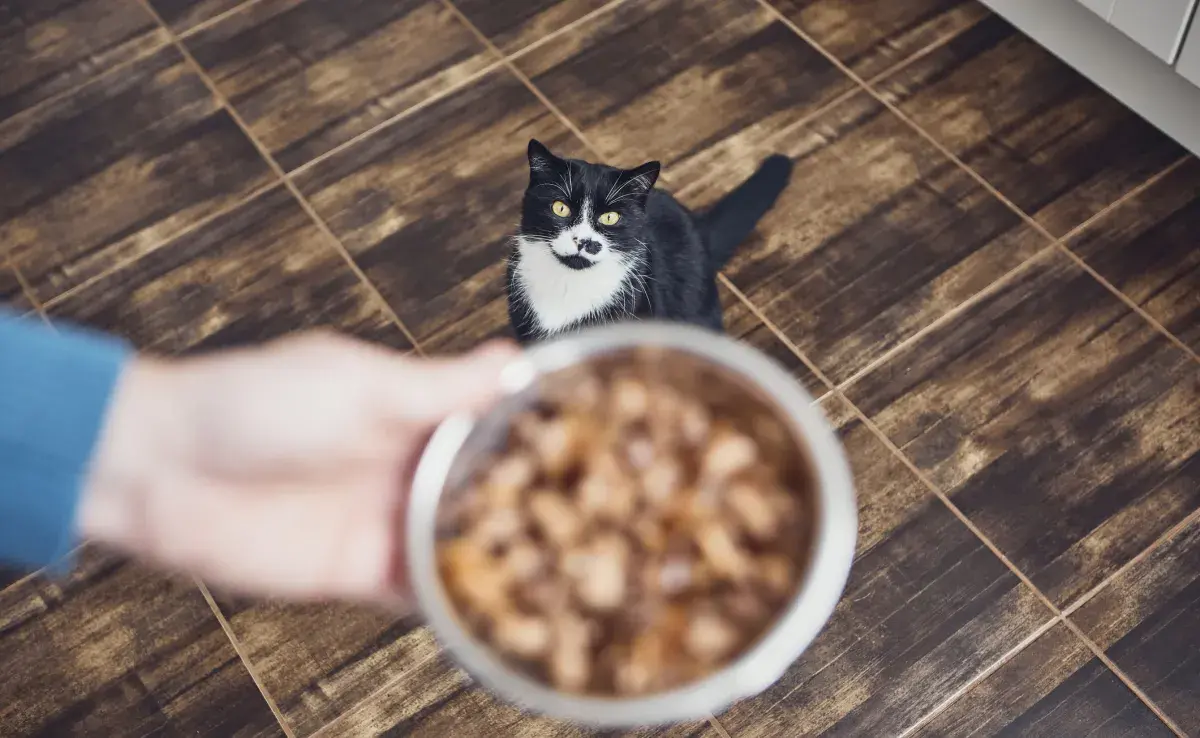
column 869, row 36
column 514, row 24
column 1059, row 421
column 319, row 661
column 258, row 272
column 1038, row 131
column 1146, row 247
column 688, row 82
column 308, row 75
column 183, row 15
column 437, row 699
column 427, row 206
column 744, row 325
column 48, row 47
column 1146, row 621
column 12, row 297
column 115, row 650
column 1052, row 688
column 105, row 174
column 877, row 236
column 917, row 622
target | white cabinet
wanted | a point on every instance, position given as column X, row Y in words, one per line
column 1158, row 25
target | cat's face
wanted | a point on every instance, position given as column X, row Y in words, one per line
column 585, row 214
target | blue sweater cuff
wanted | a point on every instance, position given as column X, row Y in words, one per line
column 54, row 393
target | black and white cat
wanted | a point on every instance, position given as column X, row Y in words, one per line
column 599, row 244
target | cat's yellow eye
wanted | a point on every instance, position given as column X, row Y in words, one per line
column 560, row 209
column 609, row 218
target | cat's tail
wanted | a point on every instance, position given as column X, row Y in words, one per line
column 729, row 222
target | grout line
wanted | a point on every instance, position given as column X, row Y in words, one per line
column 987, row 291
column 204, row 25
column 246, row 662
column 402, row 115
column 512, row 67
column 1153, row 180
column 1175, row 530
column 345, row 715
column 291, row 186
column 905, row 119
column 103, row 74
column 567, row 28
column 203, row 222
column 1099, row 653
column 779, row 334
column 1123, row 677
column 26, row 288
column 1129, row 302
column 979, row 678
column 716, row 725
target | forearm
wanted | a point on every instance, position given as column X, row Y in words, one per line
column 56, row 389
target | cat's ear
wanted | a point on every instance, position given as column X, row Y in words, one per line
column 639, row 180
column 541, row 161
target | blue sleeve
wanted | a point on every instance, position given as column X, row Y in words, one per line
column 54, row 392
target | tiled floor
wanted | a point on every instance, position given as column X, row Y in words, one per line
column 987, row 269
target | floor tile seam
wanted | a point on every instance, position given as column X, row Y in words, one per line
column 76, row 88
column 524, row 79
column 947, row 317
column 1025, row 579
column 498, row 61
column 1129, row 302
column 247, row 662
column 1121, row 676
column 349, row 712
column 184, row 232
column 26, row 578
column 980, row 677
column 920, row 130
column 779, row 335
column 280, row 173
column 1163, row 540
column 716, row 724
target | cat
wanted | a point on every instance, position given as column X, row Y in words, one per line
column 598, row 244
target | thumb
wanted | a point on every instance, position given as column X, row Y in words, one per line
column 427, row 390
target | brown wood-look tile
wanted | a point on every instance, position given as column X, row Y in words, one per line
column 690, row 83
column 437, row 699
column 427, row 205
column 877, row 236
column 308, row 75
column 1038, row 131
column 115, row 650
column 1146, row 621
column 744, row 325
column 514, row 24
column 1058, row 420
column 12, row 297
column 928, row 607
column 183, row 15
column 108, row 172
column 257, row 272
column 47, row 48
column 1146, row 247
column 319, row 661
column 869, row 36
column 1052, row 688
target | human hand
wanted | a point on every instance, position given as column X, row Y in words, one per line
column 281, row 470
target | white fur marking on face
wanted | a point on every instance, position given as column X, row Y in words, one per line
column 561, row 296
column 566, row 243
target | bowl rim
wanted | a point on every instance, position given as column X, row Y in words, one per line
column 834, row 535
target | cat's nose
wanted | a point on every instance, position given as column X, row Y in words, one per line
column 588, row 245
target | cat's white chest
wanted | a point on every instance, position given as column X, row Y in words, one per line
column 560, row 296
